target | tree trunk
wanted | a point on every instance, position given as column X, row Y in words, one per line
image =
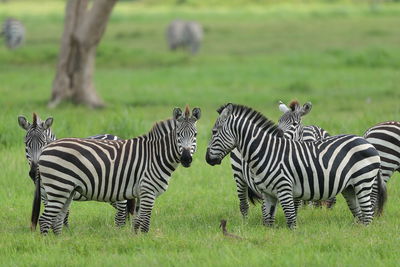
column 83, row 29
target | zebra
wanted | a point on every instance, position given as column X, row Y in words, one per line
column 114, row 170
column 285, row 169
column 385, row 137
column 290, row 124
column 38, row 135
column 186, row 34
column 14, row 33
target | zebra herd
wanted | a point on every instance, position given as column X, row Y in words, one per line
column 283, row 163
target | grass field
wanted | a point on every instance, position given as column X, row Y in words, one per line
column 345, row 59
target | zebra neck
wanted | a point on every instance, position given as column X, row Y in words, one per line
column 166, row 151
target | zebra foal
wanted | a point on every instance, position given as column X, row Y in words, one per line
column 115, row 170
column 38, row 135
column 283, row 169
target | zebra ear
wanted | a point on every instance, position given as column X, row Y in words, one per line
column 196, row 113
column 23, row 122
column 48, row 123
column 282, row 107
column 177, row 113
column 227, row 111
column 306, row 108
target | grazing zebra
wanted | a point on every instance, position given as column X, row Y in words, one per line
column 185, row 34
column 284, row 169
column 38, row 135
column 106, row 170
column 14, row 33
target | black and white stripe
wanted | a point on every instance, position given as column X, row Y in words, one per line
column 283, row 169
column 290, row 124
column 385, row 137
column 38, row 135
column 105, row 170
column 14, row 33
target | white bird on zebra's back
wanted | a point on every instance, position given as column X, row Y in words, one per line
column 14, row 33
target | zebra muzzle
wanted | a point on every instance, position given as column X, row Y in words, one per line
column 186, row 158
column 211, row 160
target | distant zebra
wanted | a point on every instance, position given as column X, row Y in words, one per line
column 285, row 169
column 105, row 170
column 185, row 34
column 14, row 33
column 38, row 135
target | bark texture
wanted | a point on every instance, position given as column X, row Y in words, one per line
column 85, row 24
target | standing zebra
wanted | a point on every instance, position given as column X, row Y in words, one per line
column 290, row 124
column 284, row 169
column 385, row 137
column 185, row 34
column 14, row 33
column 38, row 135
column 106, row 170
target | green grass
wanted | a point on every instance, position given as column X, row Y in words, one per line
column 345, row 59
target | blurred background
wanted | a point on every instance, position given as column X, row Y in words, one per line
column 342, row 55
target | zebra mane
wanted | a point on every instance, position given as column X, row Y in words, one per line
column 162, row 128
column 294, row 105
column 34, row 119
column 258, row 118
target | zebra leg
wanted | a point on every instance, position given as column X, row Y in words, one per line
column 269, row 209
column 56, row 203
column 142, row 220
column 66, row 224
column 60, row 219
column 350, row 196
column 374, row 194
column 297, row 204
column 285, row 197
column 242, row 190
column 120, row 216
column 331, row 202
column 364, row 200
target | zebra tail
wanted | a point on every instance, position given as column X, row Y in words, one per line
column 36, row 198
column 382, row 194
column 253, row 197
